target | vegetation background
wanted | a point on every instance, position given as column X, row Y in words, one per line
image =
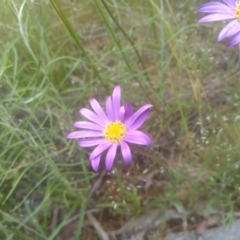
column 56, row 56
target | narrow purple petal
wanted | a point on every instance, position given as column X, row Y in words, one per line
column 135, row 116
column 92, row 116
column 99, row 149
column 90, row 143
column 84, row 134
column 109, row 109
column 229, row 30
column 126, row 152
column 122, row 114
column 235, row 40
column 88, row 125
column 139, row 121
column 215, row 7
column 95, row 163
column 110, row 156
column 230, row 3
column 116, row 101
column 98, row 110
column 137, row 137
column 128, row 110
column 216, row 17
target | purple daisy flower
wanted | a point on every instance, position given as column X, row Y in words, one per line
column 108, row 131
column 229, row 9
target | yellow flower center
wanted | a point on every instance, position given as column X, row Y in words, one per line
column 237, row 11
column 114, row 132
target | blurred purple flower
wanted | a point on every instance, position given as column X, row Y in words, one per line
column 229, row 9
column 117, row 127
